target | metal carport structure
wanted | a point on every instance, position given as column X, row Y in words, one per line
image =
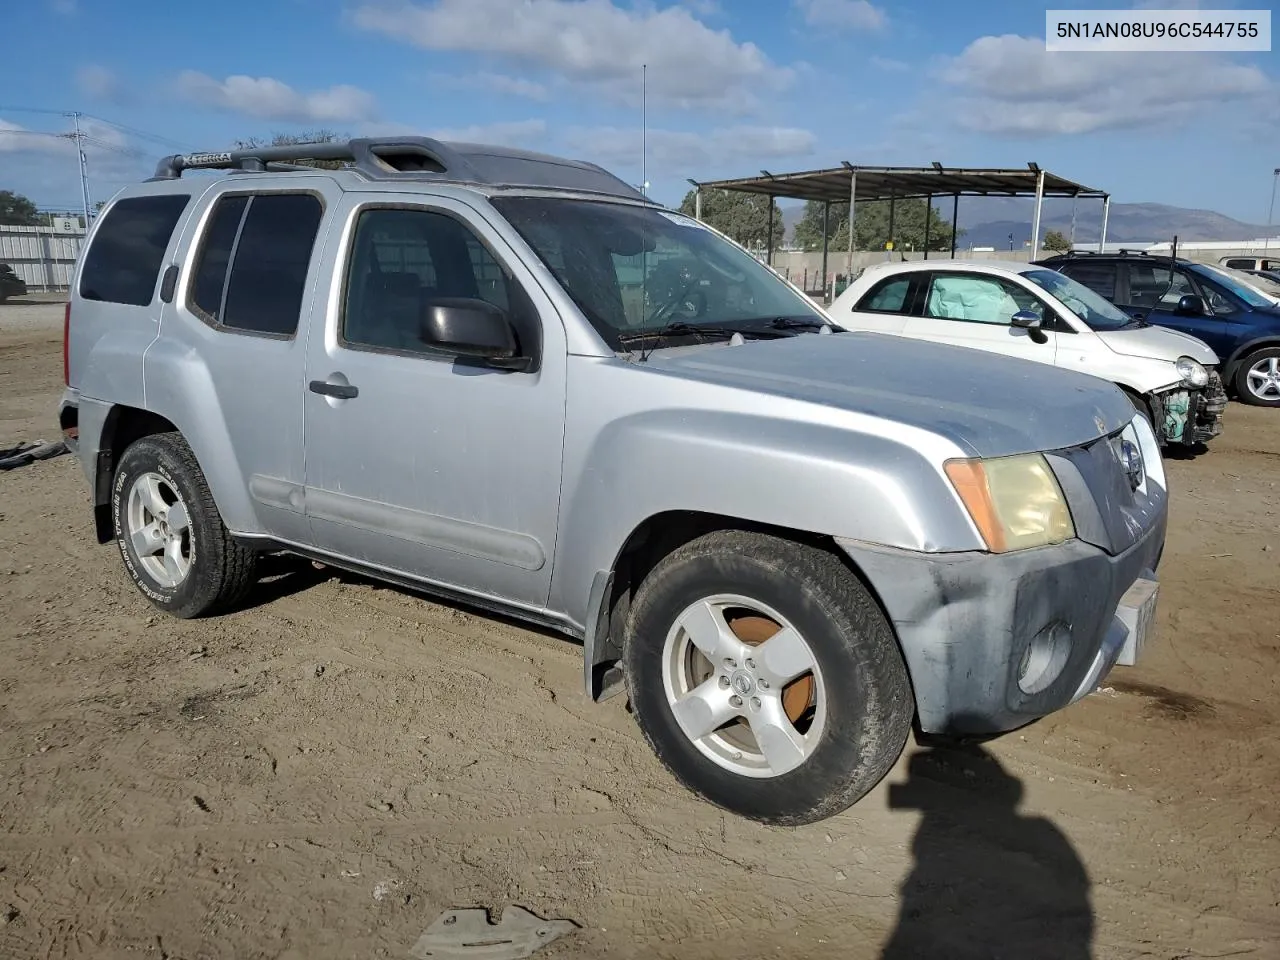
column 850, row 183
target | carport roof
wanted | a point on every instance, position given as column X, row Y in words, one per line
column 884, row 183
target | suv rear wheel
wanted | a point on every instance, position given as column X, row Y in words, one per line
column 765, row 677
column 1258, row 378
column 170, row 534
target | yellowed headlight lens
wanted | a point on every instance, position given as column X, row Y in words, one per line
column 1015, row 502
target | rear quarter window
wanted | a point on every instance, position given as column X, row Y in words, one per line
column 123, row 262
column 887, row 296
column 251, row 271
column 1098, row 277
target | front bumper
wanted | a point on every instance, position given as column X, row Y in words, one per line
column 972, row 625
column 1191, row 416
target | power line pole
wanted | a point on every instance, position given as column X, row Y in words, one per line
column 78, row 137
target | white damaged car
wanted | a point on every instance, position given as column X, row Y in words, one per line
column 1028, row 311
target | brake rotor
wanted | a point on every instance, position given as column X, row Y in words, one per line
column 754, row 630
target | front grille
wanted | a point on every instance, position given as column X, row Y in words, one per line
column 1109, row 511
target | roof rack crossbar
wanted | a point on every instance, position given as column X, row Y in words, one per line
column 379, row 159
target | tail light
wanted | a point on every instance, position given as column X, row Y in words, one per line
column 66, row 346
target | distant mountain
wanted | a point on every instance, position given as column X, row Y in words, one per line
column 988, row 221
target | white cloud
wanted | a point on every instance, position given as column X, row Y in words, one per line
column 1011, row 85
column 517, row 133
column 99, row 82
column 675, row 153
column 15, row 138
column 511, row 86
column 842, row 14
column 101, row 139
column 42, row 164
column 271, row 99
column 689, row 63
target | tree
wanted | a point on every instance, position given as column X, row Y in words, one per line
column 17, row 211
column 743, row 217
column 1054, row 240
column 872, row 226
column 290, row 139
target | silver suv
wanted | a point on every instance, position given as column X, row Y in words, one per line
column 511, row 380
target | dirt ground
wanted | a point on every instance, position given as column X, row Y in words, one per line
column 323, row 773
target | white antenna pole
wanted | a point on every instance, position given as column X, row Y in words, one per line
column 644, row 128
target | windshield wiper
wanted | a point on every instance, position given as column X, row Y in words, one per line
column 676, row 328
column 803, row 323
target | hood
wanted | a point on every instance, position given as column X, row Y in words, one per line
column 988, row 404
column 1158, row 343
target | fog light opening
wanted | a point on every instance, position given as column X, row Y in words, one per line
column 1044, row 658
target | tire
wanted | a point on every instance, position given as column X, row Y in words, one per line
column 187, row 570
column 849, row 719
column 1257, row 379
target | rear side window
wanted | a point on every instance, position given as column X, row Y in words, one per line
column 887, row 296
column 251, row 271
column 1157, row 285
column 1239, row 263
column 124, row 260
column 1098, row 277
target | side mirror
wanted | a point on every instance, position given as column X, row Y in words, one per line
column 1032, row 323
column 474, row 329
column 1191, row 305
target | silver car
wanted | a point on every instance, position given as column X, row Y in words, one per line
column 511, row 380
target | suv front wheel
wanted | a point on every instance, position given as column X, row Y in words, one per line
column 765, row 677
column 171, row 537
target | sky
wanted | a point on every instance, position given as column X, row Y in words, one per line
column 731, row 87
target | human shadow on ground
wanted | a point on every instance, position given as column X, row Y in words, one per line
column 987, row 881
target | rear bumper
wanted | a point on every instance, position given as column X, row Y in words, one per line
column 69, row 419
column 977, row 629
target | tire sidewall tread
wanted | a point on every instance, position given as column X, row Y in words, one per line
column 869, row 705
column 221, row 569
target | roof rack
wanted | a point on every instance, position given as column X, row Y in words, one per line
column 414, row 158
column 1122, row 252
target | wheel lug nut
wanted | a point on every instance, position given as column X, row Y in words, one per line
column 736, row 700
column 730, row 662
column 751, row 664
column 762, row 683
column 724, row 682
column 755, row 703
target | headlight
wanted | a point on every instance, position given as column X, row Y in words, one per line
column 1192, row 371
column 1015, row 502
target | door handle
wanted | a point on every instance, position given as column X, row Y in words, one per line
column 340, row 391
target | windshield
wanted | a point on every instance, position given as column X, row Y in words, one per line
column 636, row 270
column 1096, row 311
column 1237, row 287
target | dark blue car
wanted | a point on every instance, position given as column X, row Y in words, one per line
column 1238, row 323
